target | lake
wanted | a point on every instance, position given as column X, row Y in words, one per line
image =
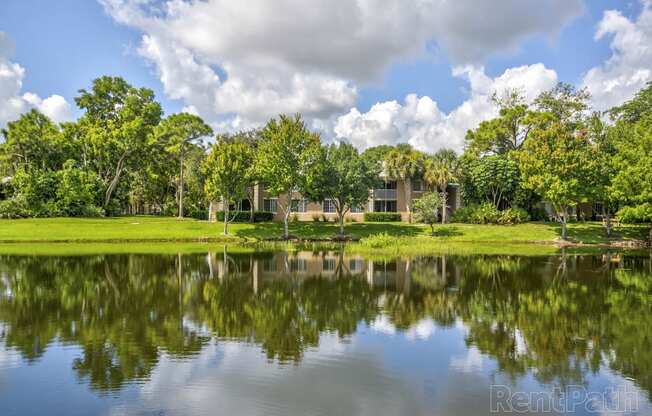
column 246, row 332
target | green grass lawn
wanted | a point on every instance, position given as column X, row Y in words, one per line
column 150, row 229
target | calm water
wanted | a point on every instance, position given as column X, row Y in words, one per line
column 323, row 333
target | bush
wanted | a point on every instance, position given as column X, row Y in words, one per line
column 381, row 240
column 487, row 213
column 513, row 216
column 637, row 214
column 245, row 216
column 15, row 208
column 382, row 217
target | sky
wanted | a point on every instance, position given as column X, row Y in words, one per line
column 367, row 71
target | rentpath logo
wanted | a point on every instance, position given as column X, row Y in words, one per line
column 568, row 400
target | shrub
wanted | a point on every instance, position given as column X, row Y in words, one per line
column 513, row 216
column 487, row 213
column 15, row 208
column 315, row 218
column 382, row 217
column 464, row 214
column 381, row 240
column 637, row 214
column 245, row 216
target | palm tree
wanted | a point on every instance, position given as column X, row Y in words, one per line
column 440, row 170
column 403, row 163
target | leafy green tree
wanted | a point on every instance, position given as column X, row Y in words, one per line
column 227, row 170
column 180, row 132
column 345, row 181
column 374, row 157
column 287, row 160
column 439, row 171
column 560, row 165
column 427, row 207
column 404, row 163
column 77, row 191
column 502, row 134
column 32, row 142
column 632, row 135
column 117, row 124
column 495, row 178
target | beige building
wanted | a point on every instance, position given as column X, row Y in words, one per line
column 390, row 196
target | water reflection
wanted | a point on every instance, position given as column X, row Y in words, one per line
column 559, row 319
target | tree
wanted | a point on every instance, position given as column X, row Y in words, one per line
column 559, row 164
column 495, row 178
column 32, row 142
column 426, row 209
column 250, row 138
column 117, row 124
column 346, row 180
column 287, row 156
column 632, row 136
column 505, row 133
column 227, row 178
column 179, row 132
column 403, row 163
column 440, row 170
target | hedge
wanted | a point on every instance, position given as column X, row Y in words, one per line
column 245, row 216
column 382, row 216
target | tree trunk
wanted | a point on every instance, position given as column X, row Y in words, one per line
column 564, row 231
column 341, row 218
column 650, row 238
column 608, row 224
column 114, row 182
column 181, row 187
column 225, row 207
column 286, row 219
column 408, row 198
column 443, row 206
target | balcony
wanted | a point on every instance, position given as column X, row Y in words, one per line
column 384, row 194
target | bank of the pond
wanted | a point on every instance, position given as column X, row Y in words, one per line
column 153, row 234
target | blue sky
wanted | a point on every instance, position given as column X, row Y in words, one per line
column 62, row 45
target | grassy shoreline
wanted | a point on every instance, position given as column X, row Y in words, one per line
column 163, row 232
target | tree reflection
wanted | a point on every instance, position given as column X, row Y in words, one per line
column 125, row 311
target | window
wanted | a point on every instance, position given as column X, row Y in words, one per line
column 385, row 206
column 329, row 265
column 355, row 265
column 329, row 206
column 270, row 205
column 298, row 205
column 417, row 185
column 298, row 265
column 388, row 185
column 355, row 210
column 269, row 265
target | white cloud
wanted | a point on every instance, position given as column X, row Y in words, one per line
column 421, row 123
column 12, row 102
column 630, row 66
column 239, row 63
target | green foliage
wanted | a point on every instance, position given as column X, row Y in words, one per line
column 495, row 178
column 77, row 192
column 32, row 142
column 503, row 134
column 116, row 128
column 635, row 214
column 382, row 216
column 16, row 207
column 345, row 179
column 427, row 207
column 381, row 240
column 289, row 158
column 487, row 213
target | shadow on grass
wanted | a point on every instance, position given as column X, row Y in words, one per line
column 447, row 232
column 595, row 232
column 319, row 230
